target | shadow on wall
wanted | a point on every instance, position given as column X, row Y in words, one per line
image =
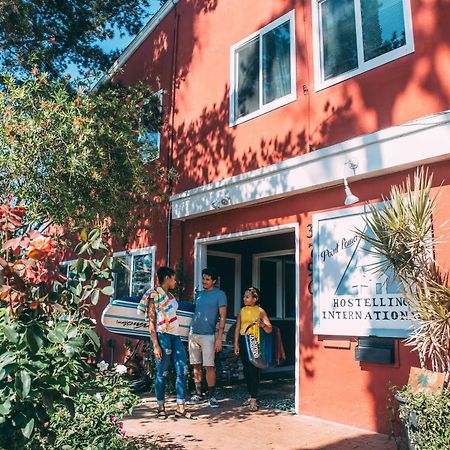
column 205, row 149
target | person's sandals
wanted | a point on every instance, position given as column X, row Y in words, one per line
column 253, row 406
column 184, row 415
column 161, row 414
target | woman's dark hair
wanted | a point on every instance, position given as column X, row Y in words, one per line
column 255, row 292
column 164, row 272
column 212, row 272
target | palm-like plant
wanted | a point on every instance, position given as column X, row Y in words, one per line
column 403, row 240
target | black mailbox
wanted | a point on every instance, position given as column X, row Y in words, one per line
column 375, row 350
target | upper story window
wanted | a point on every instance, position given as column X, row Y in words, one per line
column 263, row 70
column 151, row 140
column 352, row 36
column 136, row 272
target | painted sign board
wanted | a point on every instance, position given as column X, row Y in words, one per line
column 350, row 297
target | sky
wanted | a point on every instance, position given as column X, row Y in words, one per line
column 118, row 42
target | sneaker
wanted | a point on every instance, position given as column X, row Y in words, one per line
column 213, row 403
column 196, row 400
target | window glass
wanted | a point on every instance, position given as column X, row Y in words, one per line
column 276, row 63
column 268, row 286
column 248, row 78
column 383, row 26
column 142, row 273
column 122, row 277
column 338, row 37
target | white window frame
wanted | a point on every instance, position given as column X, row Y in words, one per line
column 132, row 253
column 320, row 83
column 256, row 264
column 290, row 16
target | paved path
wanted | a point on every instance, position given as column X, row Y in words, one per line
column 232, row 426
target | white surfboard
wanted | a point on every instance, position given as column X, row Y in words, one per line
column 121, row 317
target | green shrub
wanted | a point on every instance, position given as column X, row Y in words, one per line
column 95, row 423
column 426, row 418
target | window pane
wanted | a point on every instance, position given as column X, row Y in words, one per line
column 150, row 146
column 142, row 273
column 338, row 37
column 248, row 78
column 268, row 287
column 276, row 63
column 122, row 277
column 383, row 26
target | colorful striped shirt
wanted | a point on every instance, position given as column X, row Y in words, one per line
column 166, row 310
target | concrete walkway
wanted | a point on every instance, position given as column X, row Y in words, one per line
column 232, row 426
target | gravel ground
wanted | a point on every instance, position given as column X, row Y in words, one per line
column 276, row 395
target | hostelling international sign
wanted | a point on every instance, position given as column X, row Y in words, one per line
column 350, row 298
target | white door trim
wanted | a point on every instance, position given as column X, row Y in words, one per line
column 200, row 253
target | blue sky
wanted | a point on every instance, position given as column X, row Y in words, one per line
column 119, row 42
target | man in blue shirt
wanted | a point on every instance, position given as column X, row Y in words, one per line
column 210, row 305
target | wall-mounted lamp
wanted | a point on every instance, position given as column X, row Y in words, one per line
column 349, row 197
column 220, row 202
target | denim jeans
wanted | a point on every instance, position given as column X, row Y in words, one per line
column 172, row 348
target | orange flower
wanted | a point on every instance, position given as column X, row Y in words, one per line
column 40, row 248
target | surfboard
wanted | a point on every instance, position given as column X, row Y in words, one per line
column 264, row 349
column 121, row 317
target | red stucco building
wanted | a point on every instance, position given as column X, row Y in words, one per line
column 268, row 106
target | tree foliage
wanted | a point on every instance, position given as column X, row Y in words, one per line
column 78, row 158
column 51, row 34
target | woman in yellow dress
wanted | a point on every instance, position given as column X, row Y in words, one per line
column 250, row 313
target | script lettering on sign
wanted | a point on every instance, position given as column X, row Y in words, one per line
column 350, row 297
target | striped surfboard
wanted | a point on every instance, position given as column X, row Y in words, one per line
column 121, row 317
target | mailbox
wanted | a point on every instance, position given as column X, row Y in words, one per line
column 375, row 350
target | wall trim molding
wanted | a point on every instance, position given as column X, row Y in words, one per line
column 424, row 140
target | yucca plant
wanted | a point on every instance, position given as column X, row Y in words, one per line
column 403, row 239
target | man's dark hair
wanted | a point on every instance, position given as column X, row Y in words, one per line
column 212, row 272
column 164, row 272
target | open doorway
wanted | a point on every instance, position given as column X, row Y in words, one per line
column 267, row 259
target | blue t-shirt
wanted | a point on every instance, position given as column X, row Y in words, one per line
column 207, row 304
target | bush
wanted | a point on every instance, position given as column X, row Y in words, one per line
column 95, row 422
column 426, row 417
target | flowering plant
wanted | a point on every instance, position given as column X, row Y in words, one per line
column 100, row 405
column 46, row 335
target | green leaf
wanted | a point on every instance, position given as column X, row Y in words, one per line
column 6, row 359
column 11, row 334
column 94, row 234
column 56, row 336
column 34, row 339
column 5, row 407
column 92, row 336
column 94, row 297
column 22, row 383
column 28, row 429
column 72, row 332
column 108, row 290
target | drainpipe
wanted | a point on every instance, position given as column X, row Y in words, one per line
column 172, row 126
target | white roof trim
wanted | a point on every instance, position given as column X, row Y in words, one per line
column 138, row 40
column 425, row 140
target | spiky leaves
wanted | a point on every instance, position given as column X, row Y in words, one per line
column 403, row 239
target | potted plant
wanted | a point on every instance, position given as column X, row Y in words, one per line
column 403, row 238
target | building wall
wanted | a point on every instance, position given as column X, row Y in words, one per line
column 193, row 43
column 333, row 385
column 206, row 148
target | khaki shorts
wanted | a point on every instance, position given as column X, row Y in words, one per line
column 201, row 349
